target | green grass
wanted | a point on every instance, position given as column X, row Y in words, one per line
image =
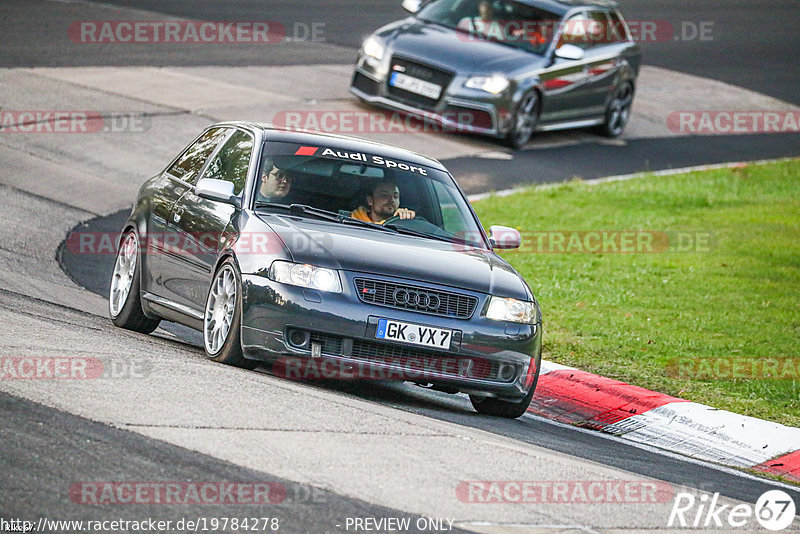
column 626, row 316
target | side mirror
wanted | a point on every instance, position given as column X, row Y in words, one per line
column 503, row 237
column 218, row 190
column 412, row 6
column 569, row 51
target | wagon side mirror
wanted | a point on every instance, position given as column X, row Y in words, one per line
column 503, row 237
column 412, row 6
column 569, row 51
column 217, row 190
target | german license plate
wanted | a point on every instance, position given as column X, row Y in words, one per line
column 415, row 85
column 415, row 334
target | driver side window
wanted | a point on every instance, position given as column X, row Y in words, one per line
column 578, row 31
column 188, row 165
column 232, row 161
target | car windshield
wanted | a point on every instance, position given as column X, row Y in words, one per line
column 364, row 189
column 509, row 23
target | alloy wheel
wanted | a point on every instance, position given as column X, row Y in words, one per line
column 124, row 271
column 220, row 308
column 619, row 110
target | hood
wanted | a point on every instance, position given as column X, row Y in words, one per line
column 454, row 50
column 363, row 250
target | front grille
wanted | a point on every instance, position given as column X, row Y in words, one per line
column 423, row 72
column 330, row 344
column 365, row 84
column 384, row 293
column 413, row 361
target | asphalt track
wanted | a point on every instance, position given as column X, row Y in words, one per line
column 69, row 448
column 91, row 271
column 752, row 44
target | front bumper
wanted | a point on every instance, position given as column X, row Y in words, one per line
column 458, row 109
column 316, row 335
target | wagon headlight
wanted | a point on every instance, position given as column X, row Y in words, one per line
column 373, row 48
column 516, row 311
column 494, row 84
column 305, row 275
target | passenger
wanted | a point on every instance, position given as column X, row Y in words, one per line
column 479, row 24
column 382, row 203
column 275, row 183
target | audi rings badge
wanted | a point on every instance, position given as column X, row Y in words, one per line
column 417, row 299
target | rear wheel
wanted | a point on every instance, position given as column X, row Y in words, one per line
column 124, row 299
column 223, row 316
column 525, row 120
column 501, row 408
column 618, row 111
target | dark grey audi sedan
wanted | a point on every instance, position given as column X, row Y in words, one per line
column 331, row 258
column 504, row 68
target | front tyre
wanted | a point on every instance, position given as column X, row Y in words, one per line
column 501, row 408
column 618, row 111
column 223, row 316
column 124, row 298
column 524, row 121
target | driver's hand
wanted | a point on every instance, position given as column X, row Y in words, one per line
column 405, row 213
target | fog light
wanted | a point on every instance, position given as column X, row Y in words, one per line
column 298, row 338
column 506, row 372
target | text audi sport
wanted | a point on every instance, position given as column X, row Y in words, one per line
column 320, row 252
column 504, row 68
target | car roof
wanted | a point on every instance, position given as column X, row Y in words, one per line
column 563, row 6
column 342, row 142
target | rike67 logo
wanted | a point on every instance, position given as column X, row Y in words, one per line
column 774, row 510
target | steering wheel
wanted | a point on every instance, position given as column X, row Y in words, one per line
column 394, row 218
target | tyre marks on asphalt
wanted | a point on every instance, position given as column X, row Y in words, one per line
column 74, row 452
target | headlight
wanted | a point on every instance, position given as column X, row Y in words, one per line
column 304, row 275
column 373, row 48
column 516, row 311
column 491, row 84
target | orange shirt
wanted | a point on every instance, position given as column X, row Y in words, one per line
column 361, row 214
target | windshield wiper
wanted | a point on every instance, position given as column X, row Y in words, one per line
column 305, row 209
column 403, row 230
column 449, row 238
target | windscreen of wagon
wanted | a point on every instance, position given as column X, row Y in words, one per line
column 340, row 181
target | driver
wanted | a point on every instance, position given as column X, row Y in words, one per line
column 479, row 24
column 382, row 203
column 275, row 183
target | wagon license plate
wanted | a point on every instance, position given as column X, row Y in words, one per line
column 415, row 85
column 415, row 334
